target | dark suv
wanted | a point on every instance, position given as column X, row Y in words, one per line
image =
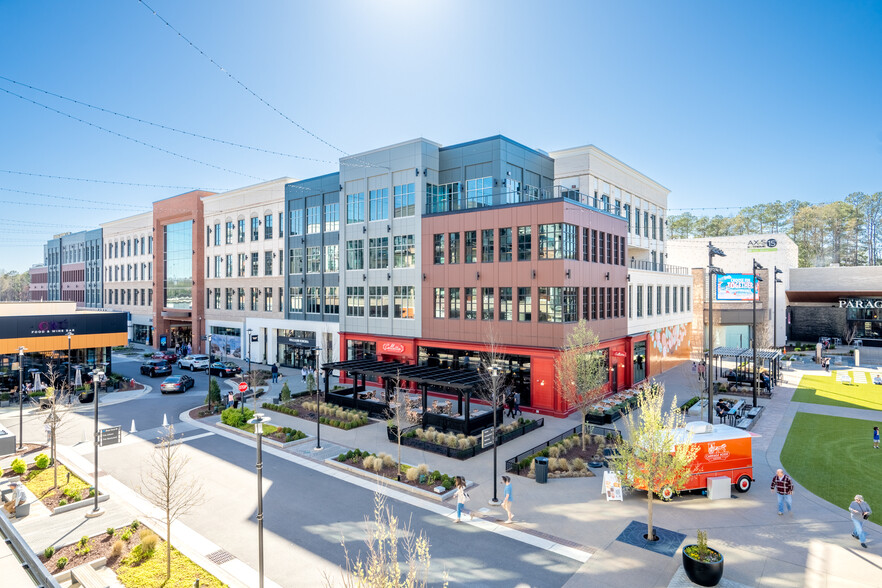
column 156, row 367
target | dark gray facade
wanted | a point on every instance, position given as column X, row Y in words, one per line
column 68, row 254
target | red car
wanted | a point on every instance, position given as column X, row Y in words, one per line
column 168, row 356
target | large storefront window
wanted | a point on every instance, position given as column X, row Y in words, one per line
column 516, row 367
column 226, row 342
column 639, row 361
column 141, row 334
column 178, row 289
column 864, row 316
column 361, row 350
column 296, row 348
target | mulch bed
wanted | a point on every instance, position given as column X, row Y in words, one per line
column 311, row 415
column 201, row 412
column 391, row 473
column 27, row 448
column 101, row 545
column 53, row 496
column 575, row 452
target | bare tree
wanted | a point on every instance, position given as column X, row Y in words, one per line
column 58, row 398
column 580, row 370
column 397, row 415
column 168, row 486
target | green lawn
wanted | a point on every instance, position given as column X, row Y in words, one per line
column 826, row 390
column 833, row 457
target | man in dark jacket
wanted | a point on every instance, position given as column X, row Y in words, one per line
column 783, row 486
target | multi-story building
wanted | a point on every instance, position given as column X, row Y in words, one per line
column 244, row 269
column 128, row 272
column 659, row 294
column 38, row 286
column 73, row 269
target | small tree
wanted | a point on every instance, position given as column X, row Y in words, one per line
column 580, row 371
column 167, row 485
column 214, row 394
column 59, row 395
column 397, row 416
column 656, row 454
column 310, row 388
column 286, row 393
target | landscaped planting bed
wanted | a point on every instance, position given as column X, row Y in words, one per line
column 238, row 418
column 382, row 464
column 566, row 459
column 459, row 445
column 331, row 414
column 38, row 477
column 612, row 407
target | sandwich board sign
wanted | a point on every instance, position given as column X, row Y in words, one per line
column 611, row 486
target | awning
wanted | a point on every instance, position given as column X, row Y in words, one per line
column 465, row 380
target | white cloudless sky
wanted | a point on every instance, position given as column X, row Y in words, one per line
column 725, row 104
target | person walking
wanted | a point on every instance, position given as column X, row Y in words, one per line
column 517, row 403
column 875, row 437
column 303, row 373
column 783, row 486
column 275, row 372
column 47, row 426
column 506, row 497
column 509, row 405
column 860, row 511
column 230, row 399
column 461, row 497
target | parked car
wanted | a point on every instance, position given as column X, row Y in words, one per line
column 224, row 369
column 176, row 384
column 168, row 356
column 156, row 367
column 194, row 362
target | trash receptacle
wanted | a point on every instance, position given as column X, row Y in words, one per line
column 542, row 470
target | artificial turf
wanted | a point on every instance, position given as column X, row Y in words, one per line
column 826, row 390
column 833, row 457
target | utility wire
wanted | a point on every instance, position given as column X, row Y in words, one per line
column 36, row 175
column 66, row 199
column 138, row 141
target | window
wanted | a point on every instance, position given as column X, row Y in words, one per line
column 332, row 258
column 243, row 260
column 661, row 230
column 602, row 255
column 505, row 307
column 403, row 200
column 281, row 269
column 557, row 241
column 525, row 305
column 637, row 222
column 229, row 261
column 313, row 300
column 267, row 263
column 442, row 198
column 648, row 300
column 355, row 256
column 255, row 263
column 295, row 225
column 228, row 298
column 668, row 299
column 281, row 234
column 378, row 298
column 313, row 260
column 594, row 245
column 228, row 236
column 688, row 298
column 241, row 299
column 658, row 300
column 355, row 301
column 652, row 221
column 438, row 303
column 255, row 230
column 618, row 208
column 471, row 304
column 645, row 223
column 295, row 299
column 628, row 216
column 332, row 300
column 487, row 299
column 438, row 248
column 586, row 245
column 268, row 296
column 217, row 235
column 525, row 243
column 332, row 217
column 609, row 299
column 453, row 249
column 630, row 297
column 268, row 230
column 404, row 302
column 378, row 253
column 487, row 245
column 586, row 297
column 454, row 303
column 217, row 295
column 471, row 247
column 593, row 304
column 355, row 210
column 639, row 301
column 313, row 220
column 550, row 305
column 615, row 313
column 255, row 295
column 622, row 302
column 602, row 303
column 682, row 299
column 569, row 304
column 609, row 248
column 505, row 246
column 479, row 192
column 512, row 191
column 674, row 293
column 616, row 250
column 404, row 252
column 241, row 232
column 379, row 204
column 295, row 261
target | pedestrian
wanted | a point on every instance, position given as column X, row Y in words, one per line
column 506, row 497
column 509, row 405
column 783, row 486
column 701, row 368
column 18, row 497
column 275, row 372
column 517, row 403
column 229, row 399
column 303, row 373
column 48, row 428
column 875, row 437
column 860, row 511
column 461, row 497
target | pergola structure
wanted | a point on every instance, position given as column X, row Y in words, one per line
column 768, row 358
column 463, row 383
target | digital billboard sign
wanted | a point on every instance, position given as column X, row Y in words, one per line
column 735, row 288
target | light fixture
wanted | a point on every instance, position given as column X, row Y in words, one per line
column 424, row 277
column 628, row 277
column 477, row 275
column 568, row 273
column 388, row 276
column 607, row 276
column 534, row 274
column 425, row 171
column 364, row 229
column 416, row 171
column 388, row 228
column 363, row 277
column 757, row 265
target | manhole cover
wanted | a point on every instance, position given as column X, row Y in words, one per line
column 220, row 556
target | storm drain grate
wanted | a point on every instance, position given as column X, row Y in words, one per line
column 220, row 556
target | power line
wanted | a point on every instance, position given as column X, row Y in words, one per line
column 36, row 175
column 66, row 199
column 138, row 141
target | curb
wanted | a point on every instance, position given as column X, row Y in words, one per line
column 395, row 483
column 266, row 440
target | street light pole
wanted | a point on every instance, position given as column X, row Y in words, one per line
column 318, row 408
column 96, row 374
column 69, row 334
column 494, row 374
column 21, row 351
column 258, row 422
column 756, row 279
column 712, row 271
column 209, row 373
column 775, row 316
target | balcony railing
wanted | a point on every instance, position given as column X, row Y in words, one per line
column 455, row 197
column 658, row 266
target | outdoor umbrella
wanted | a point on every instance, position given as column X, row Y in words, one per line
column 37, row 384
column 78, row 379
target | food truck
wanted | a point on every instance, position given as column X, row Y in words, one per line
column 722, row 451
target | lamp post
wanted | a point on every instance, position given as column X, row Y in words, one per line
column 21, row 351
column 258, row 422
column 96, row 376
column 318, row 408
column 249, row 375
column 494, row 375
column 69, row 335
column 775, row 316
column 712, row 271
column 209, row 372
column 756, row 279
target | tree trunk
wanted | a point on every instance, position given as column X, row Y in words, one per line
column 584, row 427
column 650, row 535
column 168, row 549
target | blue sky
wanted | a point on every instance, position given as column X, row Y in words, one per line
column 726, row 104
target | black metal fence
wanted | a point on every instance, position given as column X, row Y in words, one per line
column 513, row 464
column 455, row 452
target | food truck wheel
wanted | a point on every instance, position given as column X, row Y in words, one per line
column 743, row 484
column 666, row 494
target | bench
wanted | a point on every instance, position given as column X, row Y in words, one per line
column 88, row 577
column 743, row 423
column 753, row 412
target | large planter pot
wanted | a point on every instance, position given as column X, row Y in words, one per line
column 703, row 573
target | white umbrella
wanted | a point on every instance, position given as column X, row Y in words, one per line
column 78, row 379
column 37, row 384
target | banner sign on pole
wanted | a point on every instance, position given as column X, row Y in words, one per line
column 611, row 486
column 487, row 437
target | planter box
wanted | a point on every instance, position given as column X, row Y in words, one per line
column 80, row 503
column 266, row 440
column 455, row 452
column 394, row 483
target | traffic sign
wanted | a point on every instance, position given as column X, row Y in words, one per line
column 243, row 386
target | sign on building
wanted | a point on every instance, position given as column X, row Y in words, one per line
column 736, row 288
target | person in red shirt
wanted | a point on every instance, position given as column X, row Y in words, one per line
column 783, row 486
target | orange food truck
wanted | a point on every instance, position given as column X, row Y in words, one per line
column 722, row 451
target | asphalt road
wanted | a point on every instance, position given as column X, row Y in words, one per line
column 307, row 513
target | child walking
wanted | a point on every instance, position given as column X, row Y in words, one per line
column 875, row 437
column 461, row 497
column 506, row 497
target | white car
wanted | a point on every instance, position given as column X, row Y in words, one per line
column 194, row 362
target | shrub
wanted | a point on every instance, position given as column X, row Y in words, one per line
column 286, row 392
column 234, row 417
column 135, row 524
column 578, row 465
column 448, row 484
column 127, row 534
column 532, row 467
column 62, row 502
column 144, row 533
column 563, row 465
column 41, row 461
column 19, row 466
column 378, row 465
column 388, row 462
column 49, row 552
column 110, row 531
column 214, row 393
column 554, row 451
column 368, row 462
column 83, row 546
column 462, row 443
column 423, row 469
column 342, row 457
column 552, row 464
column 117, row 549
column 149, row 542
column 413, row 475
column 62, row 561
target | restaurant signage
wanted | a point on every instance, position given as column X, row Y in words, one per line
column 392, row 348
